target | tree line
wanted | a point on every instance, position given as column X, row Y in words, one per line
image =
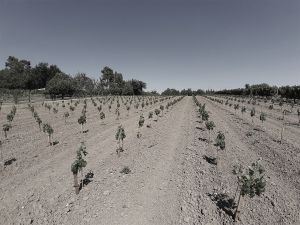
column 19, row 74
column 189, row 92
column 264, row 90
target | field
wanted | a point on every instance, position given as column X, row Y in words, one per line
column 164, row 176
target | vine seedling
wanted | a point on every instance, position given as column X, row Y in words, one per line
column 205, row 115
column 150, row 115
column 120, row 136
column 262, row 117
column 39, row 122
column 252, row 113
column 66, row 115
column 251, row 182
column 141, row 123
column 210, row 126
column 82, row 121
column 102, row 117
column 243, row 110
column 49, row 130
column 117, row 113
column 161, row 107
column 1, row 155
column 6, row 128
column 78, row 165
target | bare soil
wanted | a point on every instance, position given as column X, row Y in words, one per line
column 169, row 181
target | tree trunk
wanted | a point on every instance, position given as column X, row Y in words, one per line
column 29, row 96
column 76, row 185
column 5, row 134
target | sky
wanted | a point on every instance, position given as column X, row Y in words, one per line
column 207, row 44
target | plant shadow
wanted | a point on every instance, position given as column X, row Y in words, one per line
column 88, row 178
column 210, row 160
column 203, row 139
column 85, row 131
column 10, row 161
column 55, row 143
column 224, row 202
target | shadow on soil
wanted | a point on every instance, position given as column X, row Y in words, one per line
column 224, row 202
column 87, row 179
column 210, row 160
column 10, row 161
column 203, row 139
column 55, row 143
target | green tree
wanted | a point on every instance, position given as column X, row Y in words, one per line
column 61, row 85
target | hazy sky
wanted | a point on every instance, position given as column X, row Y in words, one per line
column 166, row 43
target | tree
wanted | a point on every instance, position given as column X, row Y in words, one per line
column 127, row 88
column 62, row 85
column 138, row 86
column 170, row 92
column 16, row 72
column 84, row 84
column 251, row 182
column 107, row 76
column 78, row 165
column 43, row 73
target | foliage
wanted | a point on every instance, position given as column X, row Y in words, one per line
column 251, row 179
column 141, row 121
column 102, row 115
column 79, row 163
column 47, row 129
column 150, row 115
column 220, row 140
column 157, row 111
column 61, row 85
column 82, row 119
column 210, row 125
column 252, row 112
column 120, row 134
column 205, row 116
column 262, row 117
